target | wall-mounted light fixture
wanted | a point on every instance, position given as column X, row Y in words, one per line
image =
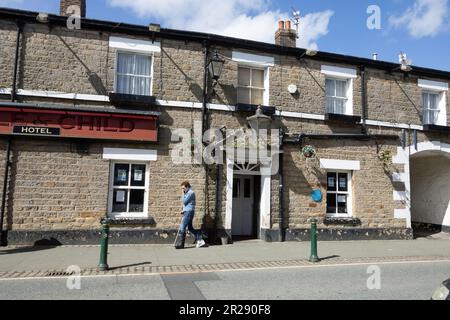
column 215, row 66
column 259, row 121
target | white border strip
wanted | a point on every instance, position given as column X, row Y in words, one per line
column 130, row 154
column 196, row 105
column 332, row 71
column 394, row 125
column 333, row 164
column 253, row 59
column 61, row 95
column 433, row 85
column 134, row 45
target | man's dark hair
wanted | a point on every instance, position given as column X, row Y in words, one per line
column 186, row 184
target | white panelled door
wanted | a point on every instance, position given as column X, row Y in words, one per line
column 243, row 199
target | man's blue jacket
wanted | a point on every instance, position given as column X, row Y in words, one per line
column 188, row 200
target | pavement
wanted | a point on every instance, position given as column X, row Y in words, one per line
column 23, row 262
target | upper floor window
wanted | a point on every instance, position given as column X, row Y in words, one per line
column 430, row 102
column 336, row 93
column 339, row 89
column 134, row 74
column 251, row 86
column 253, row 78
column 434, row 104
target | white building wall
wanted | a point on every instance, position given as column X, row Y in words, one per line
column 430, row 188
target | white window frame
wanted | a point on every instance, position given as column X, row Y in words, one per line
column 252, row 61
column 427, row 109
column 341, row 74
column 346, row 99
column 111, row 188
column 152, row 57
column 349, row 194
column 435, row 87
column 252, row 87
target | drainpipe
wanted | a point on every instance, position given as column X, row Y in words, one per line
column 205, row 118
column 217, row 209
column 281, row 188
column 205, row 86
column 3, row 233
column 16, row 62
column 364, row 99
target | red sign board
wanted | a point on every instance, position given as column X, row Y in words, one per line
column 78, row 124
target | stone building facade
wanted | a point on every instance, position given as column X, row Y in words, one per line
column 374, row 127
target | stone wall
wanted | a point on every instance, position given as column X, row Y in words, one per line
column 52, row 187
column 82, row 62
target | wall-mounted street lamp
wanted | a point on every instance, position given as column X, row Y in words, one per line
column 259, row 121
column 216, row 64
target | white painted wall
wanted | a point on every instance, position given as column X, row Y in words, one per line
column 430, row 189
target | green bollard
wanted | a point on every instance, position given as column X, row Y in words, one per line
column 314, row 257
column 103, row 265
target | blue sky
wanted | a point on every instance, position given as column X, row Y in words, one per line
column 421, row 28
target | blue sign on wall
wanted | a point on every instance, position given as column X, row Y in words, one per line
column 316, row 195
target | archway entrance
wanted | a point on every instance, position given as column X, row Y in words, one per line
column 430, row 192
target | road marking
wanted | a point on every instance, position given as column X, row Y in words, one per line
column 356, row 264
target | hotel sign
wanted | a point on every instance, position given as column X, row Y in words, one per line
column 78, row 124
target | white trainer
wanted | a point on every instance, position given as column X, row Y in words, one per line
column 201, row 243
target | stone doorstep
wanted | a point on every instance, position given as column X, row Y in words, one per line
column 217, row 267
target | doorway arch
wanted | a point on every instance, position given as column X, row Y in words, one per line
column 426, row 178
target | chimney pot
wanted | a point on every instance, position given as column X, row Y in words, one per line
column 285, row 36
column 288, row 25
column 65, row 4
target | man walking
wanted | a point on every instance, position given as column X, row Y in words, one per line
column 188, row 200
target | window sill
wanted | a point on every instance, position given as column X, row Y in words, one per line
column 122, row 100
column 122, row 221
column 245, row 107
column 342, row 221
column 436, row 128
column 342, row 118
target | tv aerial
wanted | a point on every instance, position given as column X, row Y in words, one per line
column 296, row 20
column 405, row 62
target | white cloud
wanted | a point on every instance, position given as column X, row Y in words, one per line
column 425, row 18
column 245, row 19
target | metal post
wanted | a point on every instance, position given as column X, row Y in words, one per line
column 103, row 265
column 3, row 233
column 314, row 257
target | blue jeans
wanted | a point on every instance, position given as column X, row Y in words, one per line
column 186, row 223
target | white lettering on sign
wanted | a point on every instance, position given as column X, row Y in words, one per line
column 33, row 130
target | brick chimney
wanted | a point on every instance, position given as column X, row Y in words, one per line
column 285, row 35
column 64, row 4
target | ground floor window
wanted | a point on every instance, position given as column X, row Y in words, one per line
column 339, row 194
column 128, row 191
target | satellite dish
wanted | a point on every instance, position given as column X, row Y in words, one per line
column 292, row 88
column 405, row 62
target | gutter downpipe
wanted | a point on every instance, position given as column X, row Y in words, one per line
column 16, row 62
column 204, row 123
column 281, row 188
column 3, row 233
column 364, row 99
